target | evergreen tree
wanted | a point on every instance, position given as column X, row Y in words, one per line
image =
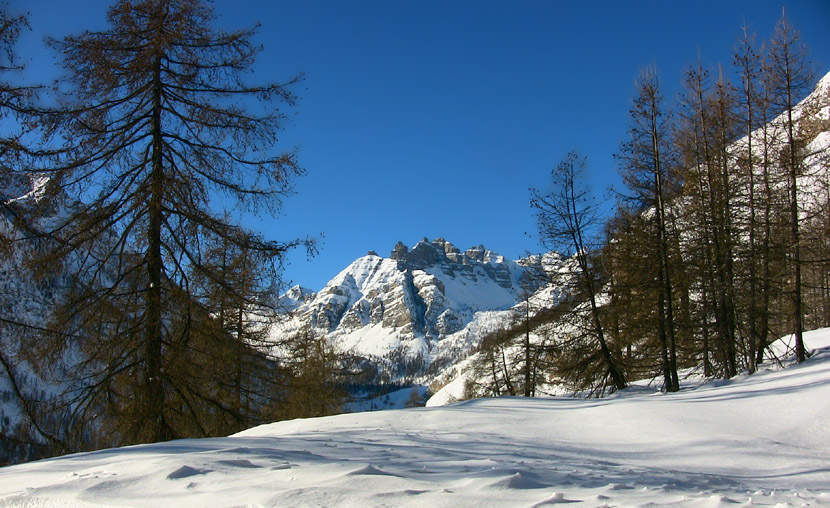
column 568, row 222
column 159, row 128
column 312, row 366
column 792, row 76
column 645, row 160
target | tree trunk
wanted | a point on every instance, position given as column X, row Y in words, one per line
column 798, row 312
column 154, row 396
column 528, row 357
column 666, row 306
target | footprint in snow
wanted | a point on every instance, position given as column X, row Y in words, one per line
column 407, row 492
column 721, row 500
column 93, row 474
column 422, row 470
column 241, row 449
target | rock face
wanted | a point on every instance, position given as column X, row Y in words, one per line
column 408, row 303
column 295, row 296
column 449, row 259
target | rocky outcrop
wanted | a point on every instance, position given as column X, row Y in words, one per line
column 399, row 252
column 443, row 255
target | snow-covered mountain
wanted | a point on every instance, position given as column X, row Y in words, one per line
column 418, row 305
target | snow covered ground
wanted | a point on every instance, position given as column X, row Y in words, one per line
column 760, row 440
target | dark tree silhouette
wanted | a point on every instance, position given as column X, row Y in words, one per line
column 161, row 133
column 568, row 221
column 644, row 161
column 792, row 75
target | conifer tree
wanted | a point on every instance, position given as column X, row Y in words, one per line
column 312, row 366
column 568, row 222
column 747, row 61
column 26, row 436
column 645, row 160
column 792, row 76
column 159, row 128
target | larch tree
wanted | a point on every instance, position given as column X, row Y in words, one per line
column 792, row 76
column 644, row 165
column 568, row 222
column 10, row 104
column 529, row 350
column 161, row 132
column 16, row 109
column 721, row 185
column 633, row 287
column 15, row 99
column 765, row 203
column 747, row 61
column 238, row 287
column 314, row 376
column 494, row 373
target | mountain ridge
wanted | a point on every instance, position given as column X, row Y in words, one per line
column 406, row 305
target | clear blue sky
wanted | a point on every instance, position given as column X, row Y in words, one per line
column 432, row 118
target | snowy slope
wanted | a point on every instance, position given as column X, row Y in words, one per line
column 761, row 440
column 25, row 300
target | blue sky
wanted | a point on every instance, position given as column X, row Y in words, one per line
column 432, row 118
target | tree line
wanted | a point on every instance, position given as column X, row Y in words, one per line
column 136, row 177
column 717, row 245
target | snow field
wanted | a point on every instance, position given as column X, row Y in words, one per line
column 760, row 440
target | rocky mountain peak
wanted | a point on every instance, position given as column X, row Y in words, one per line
column 444, row 255
column 407, row 304
column 296, row 296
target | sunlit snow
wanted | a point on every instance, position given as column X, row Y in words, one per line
column 760, row 440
